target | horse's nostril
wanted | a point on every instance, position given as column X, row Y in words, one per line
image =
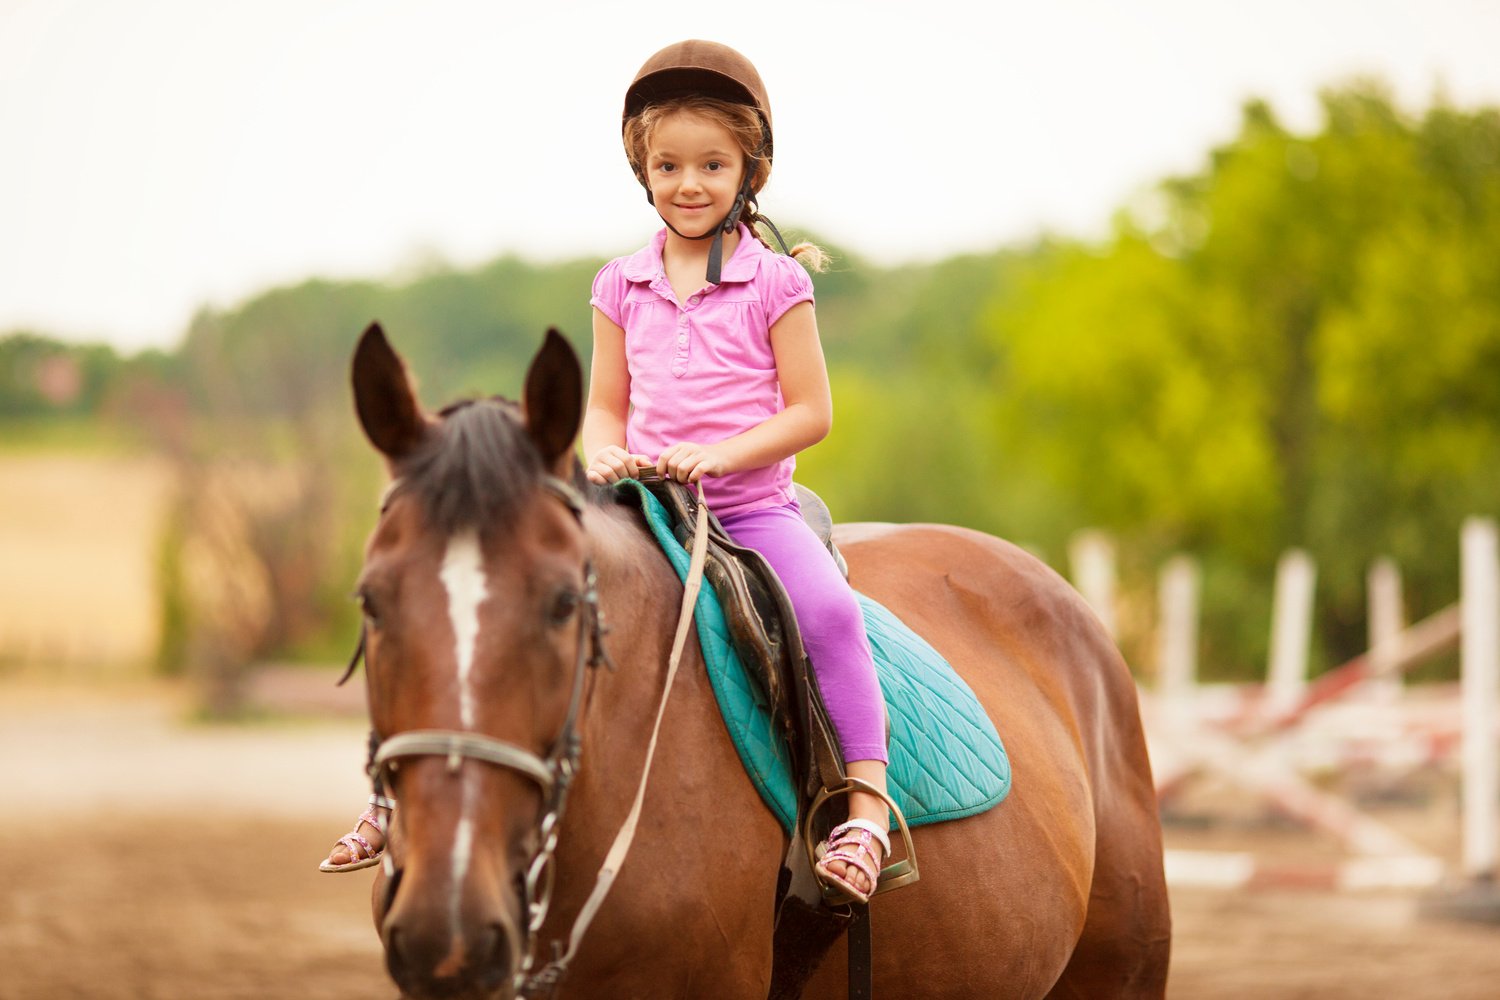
column 494, row 947
column 492, row 959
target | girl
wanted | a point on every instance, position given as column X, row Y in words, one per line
column 707, row 365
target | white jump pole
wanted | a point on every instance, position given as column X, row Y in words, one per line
column 1479, row 651
column 1387, row 620
column 1177, row 639
column 1291, row 630
column 1092, row 557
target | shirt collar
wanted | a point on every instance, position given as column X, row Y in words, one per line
column 645, row 264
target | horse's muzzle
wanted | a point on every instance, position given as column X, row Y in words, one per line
column 479, row 969
column 468, row 952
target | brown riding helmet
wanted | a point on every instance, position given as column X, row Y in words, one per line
column 696, row 68
column 706, row 69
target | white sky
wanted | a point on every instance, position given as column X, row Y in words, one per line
column 157, row 155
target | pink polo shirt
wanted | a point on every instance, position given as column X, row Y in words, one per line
column 703, row 370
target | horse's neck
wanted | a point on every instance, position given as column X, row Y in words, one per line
column 641, row 598
column 691, row 779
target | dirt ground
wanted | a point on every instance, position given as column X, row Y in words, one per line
column 144, row 856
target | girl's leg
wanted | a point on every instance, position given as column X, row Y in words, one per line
column 833, row 631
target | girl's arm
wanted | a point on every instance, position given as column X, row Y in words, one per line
column 608, row 407
column 804, row 422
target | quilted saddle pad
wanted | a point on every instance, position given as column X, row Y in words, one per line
column 947, row 760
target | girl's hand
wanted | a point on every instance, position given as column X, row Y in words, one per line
column 687, row 462
column 613, row 464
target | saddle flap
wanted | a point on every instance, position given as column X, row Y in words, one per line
column 763, row 632
column 747, row 590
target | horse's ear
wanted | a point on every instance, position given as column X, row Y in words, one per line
column 384, row 398
column 554, row 401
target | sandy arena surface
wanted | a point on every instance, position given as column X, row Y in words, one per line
column 145, row 856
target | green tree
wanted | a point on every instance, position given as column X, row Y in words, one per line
column 1297, row 346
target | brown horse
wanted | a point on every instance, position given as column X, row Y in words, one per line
column 480, row 587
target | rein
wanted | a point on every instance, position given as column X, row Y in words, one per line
column 553, row 774
column 545, row 982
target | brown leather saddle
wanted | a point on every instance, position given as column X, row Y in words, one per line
column 763, row 630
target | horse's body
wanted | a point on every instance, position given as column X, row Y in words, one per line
column 1057, row 892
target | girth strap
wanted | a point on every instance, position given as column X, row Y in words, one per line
column 860, row 954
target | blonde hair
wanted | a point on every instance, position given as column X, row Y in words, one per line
column 740, row 121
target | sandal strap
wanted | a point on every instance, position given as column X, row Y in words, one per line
column 862, row 858
column 850, row 843
column 381, row 802
column 860, row 824
column 354, row 842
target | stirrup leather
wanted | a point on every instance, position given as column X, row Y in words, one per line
column 896, row 873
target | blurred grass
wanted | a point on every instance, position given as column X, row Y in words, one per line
column 81, row 434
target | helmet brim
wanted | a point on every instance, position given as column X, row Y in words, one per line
column 702, row 69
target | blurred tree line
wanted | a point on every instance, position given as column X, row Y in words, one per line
column 1297, row 345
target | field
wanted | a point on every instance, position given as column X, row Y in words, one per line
column 79, row 539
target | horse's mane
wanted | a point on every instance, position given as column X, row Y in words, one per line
column 477, row 469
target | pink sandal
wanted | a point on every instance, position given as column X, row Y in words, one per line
column 362, row 854
column 850, row 843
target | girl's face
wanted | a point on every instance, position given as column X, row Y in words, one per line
column 694, row 167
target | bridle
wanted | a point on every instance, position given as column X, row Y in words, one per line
column 554, row 773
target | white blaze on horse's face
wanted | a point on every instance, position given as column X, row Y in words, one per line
column 463, row 576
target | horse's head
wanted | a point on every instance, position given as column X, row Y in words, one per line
column 478, row 615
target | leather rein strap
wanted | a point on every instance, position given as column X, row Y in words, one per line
column 554, row 773
column 545, row 982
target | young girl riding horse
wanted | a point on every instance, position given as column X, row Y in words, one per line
column 707, row 366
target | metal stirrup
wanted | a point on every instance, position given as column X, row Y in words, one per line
column 895, row 874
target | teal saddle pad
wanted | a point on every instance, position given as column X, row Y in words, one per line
column 947, row 760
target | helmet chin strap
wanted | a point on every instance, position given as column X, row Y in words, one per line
column 726, row 225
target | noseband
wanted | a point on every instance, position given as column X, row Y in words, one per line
column 553, row 774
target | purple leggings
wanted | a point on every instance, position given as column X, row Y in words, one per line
column 833, row 627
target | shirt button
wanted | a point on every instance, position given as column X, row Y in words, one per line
column 682, row 339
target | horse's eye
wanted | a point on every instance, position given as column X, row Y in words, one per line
column 564, row 606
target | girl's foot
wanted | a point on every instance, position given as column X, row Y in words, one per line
column 362, row 846
column 853, row 868
column 849, row 861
